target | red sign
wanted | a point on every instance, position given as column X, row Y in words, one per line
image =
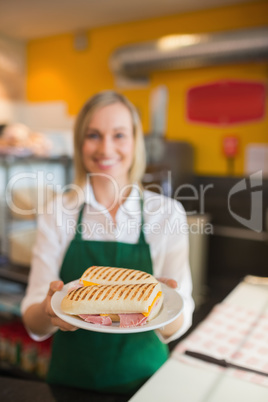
column 230, row 146
column 225, row 103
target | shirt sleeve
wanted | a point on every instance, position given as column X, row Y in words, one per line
column 46, row 261
column 176, row 266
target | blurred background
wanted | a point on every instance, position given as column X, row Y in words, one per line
column 197, row 73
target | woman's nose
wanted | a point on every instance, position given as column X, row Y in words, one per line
column 106, row 146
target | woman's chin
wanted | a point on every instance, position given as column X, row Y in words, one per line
column 109, row 175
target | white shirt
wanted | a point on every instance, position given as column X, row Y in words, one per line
column 165, row 229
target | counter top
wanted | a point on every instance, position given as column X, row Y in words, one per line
column 18, row 390
column 176, row 381
column 188, row 379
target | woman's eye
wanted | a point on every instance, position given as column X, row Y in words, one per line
column 92, row 136
column 119, row 135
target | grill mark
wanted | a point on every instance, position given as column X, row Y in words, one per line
column 127, row 274
column 108, row 291
column 86, row 292
column 92, row 294
column 132, row 272
column 122, row 291
column 73, row 293
column 93, row 270
column 137, row 289
column 79, row 294
column 147, row 276
column 87, row 273
column 129, row 291
column 112, row 296
column 119, row 290
column 144, row 291
column 102, row 271
column 133, row 276
column 141, row 276
column 101, row 292
column 150, row 291
column 121, row 273
column 114, row 273
column 116, row 290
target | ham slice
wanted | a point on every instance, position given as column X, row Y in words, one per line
column 96, row 319
column 132, row 320
column 126, row 320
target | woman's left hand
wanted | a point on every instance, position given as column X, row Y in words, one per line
column 175, row 325
column 169, row 282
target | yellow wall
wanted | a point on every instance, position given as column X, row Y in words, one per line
column 56, row 71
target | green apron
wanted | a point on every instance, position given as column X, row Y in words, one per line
column 101, row 361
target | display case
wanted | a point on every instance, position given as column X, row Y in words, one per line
column 21, row 177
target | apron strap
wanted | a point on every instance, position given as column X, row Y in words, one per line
column 142, row 236
column 78, row 232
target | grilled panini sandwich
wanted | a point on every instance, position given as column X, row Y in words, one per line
column 129, row 296
column 106, row 275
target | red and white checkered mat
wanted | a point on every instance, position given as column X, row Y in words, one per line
column 232, row 333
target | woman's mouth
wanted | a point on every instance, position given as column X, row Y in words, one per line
column 106, row 163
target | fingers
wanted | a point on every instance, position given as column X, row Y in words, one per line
column 57, row 322
column 169, row 282
column 54, row 319
column 62, row 325
column 54, row 287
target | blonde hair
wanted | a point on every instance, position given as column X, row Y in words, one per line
column 98, row 101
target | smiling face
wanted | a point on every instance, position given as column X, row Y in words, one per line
column 108, row 146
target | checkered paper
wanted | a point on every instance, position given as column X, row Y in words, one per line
column 235, row 334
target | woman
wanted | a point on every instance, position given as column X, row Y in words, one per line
column 115, row 225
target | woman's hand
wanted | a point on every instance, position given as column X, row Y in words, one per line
column 41, row 320
column 169, row 282
column 55, row 320
column 175, row 325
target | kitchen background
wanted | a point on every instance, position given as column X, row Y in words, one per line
column 204, row 118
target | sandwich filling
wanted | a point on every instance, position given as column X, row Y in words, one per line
column 128, row 320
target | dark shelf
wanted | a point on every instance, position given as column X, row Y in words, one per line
column 11, row 370
column 15, row 273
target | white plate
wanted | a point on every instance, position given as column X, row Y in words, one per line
column 170, row 310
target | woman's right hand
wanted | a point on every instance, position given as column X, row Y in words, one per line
column 54, row 319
